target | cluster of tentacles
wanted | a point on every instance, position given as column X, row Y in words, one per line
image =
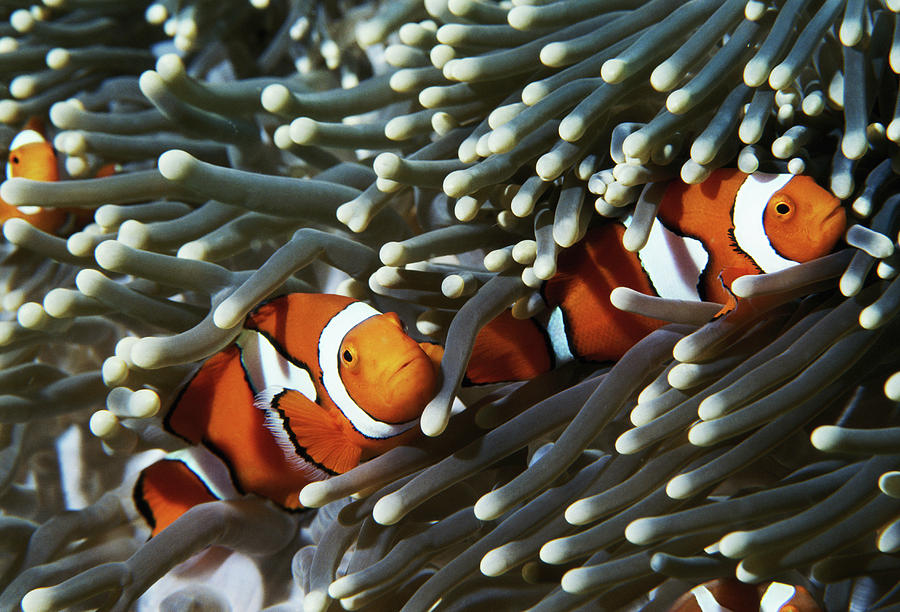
column 435, row 157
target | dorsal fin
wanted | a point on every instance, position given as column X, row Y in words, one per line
column 294, row 321
column 34, row 123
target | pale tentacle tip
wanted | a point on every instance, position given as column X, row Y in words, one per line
column 576, row 581
column 679, row 487
column 275, row 97
column 578, row 513
column 388, row 510
column 387, row 165
column 151, row 84
column 314, row 494
column 176, row 164
column 57, row 59
column 734, row 544
column 134, row 234
column 103, row 423
column 392, row 254
column 522, row 17
column 195, row 250
column 227, row 315
column 148, row 353
column 170, row 67
column 488, row 507
column 144, row 403
column 434, row 422
column 637, row 532
column 37, row 600
column 826, row 438
column 114, row 371
column 316, row 601
column 554, row 552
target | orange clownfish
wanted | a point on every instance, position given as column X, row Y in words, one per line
column 704, row 237
column 730, row 595
column 32, row 157
column 312, row 386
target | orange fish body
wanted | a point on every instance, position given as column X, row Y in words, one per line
column 313, row 385
column 730, row 595
column 704, row 236
column 32, row 157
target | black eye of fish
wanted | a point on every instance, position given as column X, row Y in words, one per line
column 348, row 356
column 15, row 159
column 782, row 209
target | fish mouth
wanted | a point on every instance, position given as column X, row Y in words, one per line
column 399, row 372
column 405, row 365
column 837, row 210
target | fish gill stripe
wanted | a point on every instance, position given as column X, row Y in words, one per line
column 674, row 263
column 283, row 373
column 329, row 348
column 750, row 203
column 26, row 137
column 267, row 364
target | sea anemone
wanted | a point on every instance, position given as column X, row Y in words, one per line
column 434, row 157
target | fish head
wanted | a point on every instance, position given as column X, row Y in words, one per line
column 385, row 371
column 31, row 157
column 803, row 221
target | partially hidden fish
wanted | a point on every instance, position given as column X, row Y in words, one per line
column 704, row 237
column 31, row 156
column 314, row 385
column 731, row 595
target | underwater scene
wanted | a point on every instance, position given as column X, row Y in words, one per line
column 450, row 305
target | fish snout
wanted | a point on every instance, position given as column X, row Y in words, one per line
column 410, row 386
column 832, row 229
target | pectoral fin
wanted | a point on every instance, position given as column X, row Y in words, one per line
column 314, row 434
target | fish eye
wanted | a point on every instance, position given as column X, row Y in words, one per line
column 781, row 205
column 14, row 159
column 347, row 356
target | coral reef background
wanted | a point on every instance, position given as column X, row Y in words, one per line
column 434, row 157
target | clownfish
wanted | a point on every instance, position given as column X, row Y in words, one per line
column 31, row 156
column 313, row 385
column 703, row 238
column 731, row 595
